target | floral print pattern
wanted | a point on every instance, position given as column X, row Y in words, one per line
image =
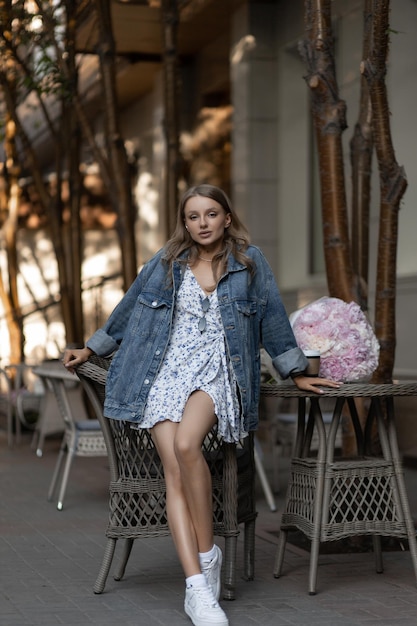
column 194, row 361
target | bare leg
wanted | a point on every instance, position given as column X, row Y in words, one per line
column 198, row 419
column 188, row 480
column 179, row 518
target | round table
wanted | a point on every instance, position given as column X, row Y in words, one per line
column 331, row 498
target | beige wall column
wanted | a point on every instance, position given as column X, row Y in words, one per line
column 253, row 65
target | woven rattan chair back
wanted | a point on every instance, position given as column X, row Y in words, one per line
column 137, row 487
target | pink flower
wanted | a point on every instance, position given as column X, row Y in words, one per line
column 341, row 331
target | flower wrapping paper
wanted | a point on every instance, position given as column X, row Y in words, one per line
column 349, row 349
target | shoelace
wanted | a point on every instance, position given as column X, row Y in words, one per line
column 208, row 569
column 208, row 564
column 205, row 596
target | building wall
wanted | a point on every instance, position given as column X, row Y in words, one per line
column 253, row 63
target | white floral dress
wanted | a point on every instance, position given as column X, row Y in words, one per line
column 195, row 360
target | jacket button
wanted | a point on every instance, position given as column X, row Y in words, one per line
column 158, row 352
column 154, row 303
column 146, row 381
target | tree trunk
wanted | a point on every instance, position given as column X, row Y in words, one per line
column 120, row 189
column 393, row 184
column 15, row 324
column 170, row 19
column 361, row 149
column 50, row 198
column 11, row 171
column 49, row 205
column 328, row 113
column 72, row 237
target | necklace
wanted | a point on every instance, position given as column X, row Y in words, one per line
column 206, row 260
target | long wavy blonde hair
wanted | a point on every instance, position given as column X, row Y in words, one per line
column 236, row 236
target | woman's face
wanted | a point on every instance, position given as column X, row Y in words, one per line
column 205, row 219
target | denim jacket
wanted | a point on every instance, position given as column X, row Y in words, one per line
column 139, row 329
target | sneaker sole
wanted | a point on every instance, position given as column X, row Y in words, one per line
column 204, row 622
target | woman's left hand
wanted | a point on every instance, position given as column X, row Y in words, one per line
column 313, row 383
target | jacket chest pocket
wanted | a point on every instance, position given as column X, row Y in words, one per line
column 246, row 308
column 246, row 316
column 152, row 314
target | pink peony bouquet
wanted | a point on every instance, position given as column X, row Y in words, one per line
column 349, row 350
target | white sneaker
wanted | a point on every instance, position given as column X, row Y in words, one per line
column 202, row 608
column 212, row 571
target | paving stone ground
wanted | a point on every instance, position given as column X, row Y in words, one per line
column 49, row 560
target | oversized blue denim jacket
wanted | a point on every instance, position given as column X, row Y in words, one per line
column 139, row 329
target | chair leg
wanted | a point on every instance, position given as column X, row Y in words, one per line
column 229, row 568
column 35, row 439
column 18, row 427
column 230, row 513
column 127, row 549
column 56, row 470
column 263, row 478
column 39, row 447
column 376, row 541
column 38, row 440
column 67, row 467
column 279, row 558
column 13, row 421
column 105, row 565
column 276, row 454
column 249, row 551
column 314, row 560
column 10, row 427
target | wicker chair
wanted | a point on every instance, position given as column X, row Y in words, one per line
column 137, row 487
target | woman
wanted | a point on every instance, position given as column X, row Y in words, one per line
column 186, row 338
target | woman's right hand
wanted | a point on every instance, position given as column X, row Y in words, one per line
column 310, row 383
column 73, row 357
